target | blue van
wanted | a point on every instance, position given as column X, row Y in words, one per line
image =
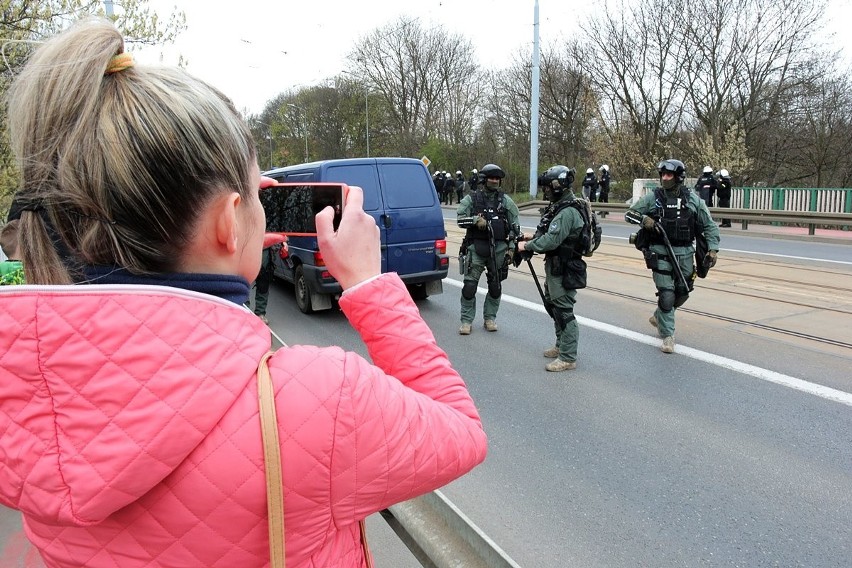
column 399, row 194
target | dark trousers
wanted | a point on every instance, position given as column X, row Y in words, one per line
column 725, row 202
column 261, row 283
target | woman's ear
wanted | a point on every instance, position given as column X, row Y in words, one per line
column 225, row 217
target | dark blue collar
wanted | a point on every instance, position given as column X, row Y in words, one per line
column 228, row 287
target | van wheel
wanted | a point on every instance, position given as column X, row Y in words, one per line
column 417, row 291
column 303, row 293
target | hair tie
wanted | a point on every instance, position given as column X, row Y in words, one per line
column 118, row 63
column 34, row 205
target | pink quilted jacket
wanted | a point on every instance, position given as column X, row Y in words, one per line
column 129, row 429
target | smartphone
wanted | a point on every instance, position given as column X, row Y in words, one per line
column 291, row 208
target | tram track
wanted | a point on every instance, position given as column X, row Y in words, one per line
column 813, row 285
column 736, row 321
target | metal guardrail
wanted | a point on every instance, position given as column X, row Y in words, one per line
column 812, row 219
column 439, row 535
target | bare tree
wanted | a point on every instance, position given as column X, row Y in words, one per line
column 421, row 74
column 751, row 63
column 638, row 73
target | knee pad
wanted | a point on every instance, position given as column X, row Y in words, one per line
column 494, row 288
column 563, row 317
column 666, row 299
column 469, row 290
column 680, row 300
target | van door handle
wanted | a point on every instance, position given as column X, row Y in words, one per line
column 387, row 221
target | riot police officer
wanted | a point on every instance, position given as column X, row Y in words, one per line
column 603, row 195
column 473, row 182
column 678, row 214
column 459, row 186
column 724, row 193
column 706, row 186
column 590, row 185
column 558, row 236
column 491, row 219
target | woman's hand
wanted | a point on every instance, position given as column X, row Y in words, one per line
column 352, row 253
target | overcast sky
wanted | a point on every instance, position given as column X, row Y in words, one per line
column 255, row 49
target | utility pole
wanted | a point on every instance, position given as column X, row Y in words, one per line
column 367, row 116
column 534, row 96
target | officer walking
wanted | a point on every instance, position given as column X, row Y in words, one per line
column 675, row 212
column 491, row 219
column 724, row 193
column 706, row 186
column 557, row 236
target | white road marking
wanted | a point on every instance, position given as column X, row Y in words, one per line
column 827, row 393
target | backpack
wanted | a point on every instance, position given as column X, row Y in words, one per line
column 590, row 236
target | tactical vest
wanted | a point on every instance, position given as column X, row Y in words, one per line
column 568, row 262
column 568, row 248
column 677, row 219
column 492, row 209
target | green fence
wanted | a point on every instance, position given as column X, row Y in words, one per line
column 827, row 200
column 820, row 199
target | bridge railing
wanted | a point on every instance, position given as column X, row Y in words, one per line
column 439, row 535
column 811, row 219
column 817, row 199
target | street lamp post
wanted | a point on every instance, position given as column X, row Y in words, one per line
column 305, row 123
column 367, row 118
column 269, row 137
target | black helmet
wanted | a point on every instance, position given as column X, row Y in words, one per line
column 492, row 171
column 563, row 176
column 674, row 166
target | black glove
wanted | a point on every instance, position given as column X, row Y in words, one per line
column 517, row 258
column 648, row 223
column 710, row 259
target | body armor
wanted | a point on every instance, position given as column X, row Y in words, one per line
column 490, row 205
column 677, row 219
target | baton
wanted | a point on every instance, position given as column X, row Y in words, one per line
column 547, row 306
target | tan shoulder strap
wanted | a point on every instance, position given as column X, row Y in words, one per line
column 271, row 463
column 272, row 467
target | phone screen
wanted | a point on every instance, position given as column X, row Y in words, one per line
column 291, row 208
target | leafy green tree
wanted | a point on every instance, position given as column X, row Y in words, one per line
column 24, row 23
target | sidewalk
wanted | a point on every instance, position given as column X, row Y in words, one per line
column 788, row 232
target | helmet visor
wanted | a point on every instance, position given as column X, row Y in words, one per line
column 666, row 166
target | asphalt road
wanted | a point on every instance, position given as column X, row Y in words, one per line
column 643, row 459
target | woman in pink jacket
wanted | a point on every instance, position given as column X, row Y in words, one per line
column 129, row 428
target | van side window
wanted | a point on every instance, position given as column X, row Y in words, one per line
column 413, row 179
column 297, row 177
column 364, row 176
